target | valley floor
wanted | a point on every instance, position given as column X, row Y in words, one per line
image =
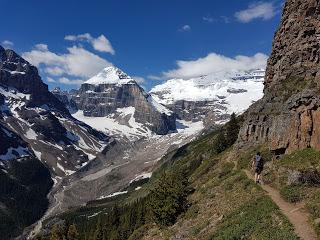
column 126, row 162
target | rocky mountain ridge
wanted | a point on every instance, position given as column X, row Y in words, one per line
column 208, row 99
column 41, row 120
column 287, row 117
column 41, row 143
column 112, row 92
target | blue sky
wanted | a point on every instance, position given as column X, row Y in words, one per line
column 145, row 38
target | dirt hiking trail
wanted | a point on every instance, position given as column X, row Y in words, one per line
column 296, row 214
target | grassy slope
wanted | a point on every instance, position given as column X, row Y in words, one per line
column 307, row 163
column 224, row 205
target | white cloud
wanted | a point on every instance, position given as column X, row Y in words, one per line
column 214, row 63
column 41, row 47
column 154, row 77
column 51, row 80
column 77, row 62
column 185, row 28
column 7, row 44
column 54, row 71
column 80, row 37
column 68, row 81
column 263, row 10
column 208, row 19
column 100, row 43
column 225, row 19
column 139, row 79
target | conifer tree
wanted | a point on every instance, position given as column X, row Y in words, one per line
column 58, row 232
column 220, row 143
column 98, row 234
column 232, row 130
column 73, row 232
column 168, row 198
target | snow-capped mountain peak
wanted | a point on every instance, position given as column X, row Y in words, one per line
column 210, row 87
column 110, row 75
column 216, row 95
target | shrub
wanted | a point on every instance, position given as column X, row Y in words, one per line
column 291, row 193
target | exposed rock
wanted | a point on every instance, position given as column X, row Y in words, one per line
column 287, row 117
column 112, row 89
column 22, row 76
column 65, row 98
column 47, row 129
column 295, row 52
column 294, row 177
column 208, row 111
column 211, row 98
column 40, row 141
column 233, row 90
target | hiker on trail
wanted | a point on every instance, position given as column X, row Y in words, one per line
column 257, row 166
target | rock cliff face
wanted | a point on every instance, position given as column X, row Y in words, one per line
column 65, row 98
column 43, row 124
column 295, row 53
column 40, row 144
column 112, row 90
column 287, row 118
column 22, row 76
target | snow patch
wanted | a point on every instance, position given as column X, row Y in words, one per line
column 30, row 134
column 113, row 194
column 66, row 172
column 37, row 153
column 93, row 215
column 159, row 107
column 141, row 176
column 111, row 126
column 217, row 87
column 110, row 75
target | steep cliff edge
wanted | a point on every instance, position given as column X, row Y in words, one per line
column 287, row 118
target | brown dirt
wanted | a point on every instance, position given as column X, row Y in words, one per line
column 294, row 212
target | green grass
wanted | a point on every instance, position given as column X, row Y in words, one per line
column 301, row 160
column 225, row 170
column 221, row 188
column 258, row 219
column 313, row 207
column 292, row 194
column 307, row 162
column 139, row 233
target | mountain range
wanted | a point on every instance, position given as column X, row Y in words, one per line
column 194, row 180
column 74, row 140
column 77, row 138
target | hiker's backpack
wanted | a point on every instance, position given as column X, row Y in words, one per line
column 259, row 161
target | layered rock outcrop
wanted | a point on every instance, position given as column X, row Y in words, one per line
column 296, row 45
column 287, row 118
column 112, row 89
